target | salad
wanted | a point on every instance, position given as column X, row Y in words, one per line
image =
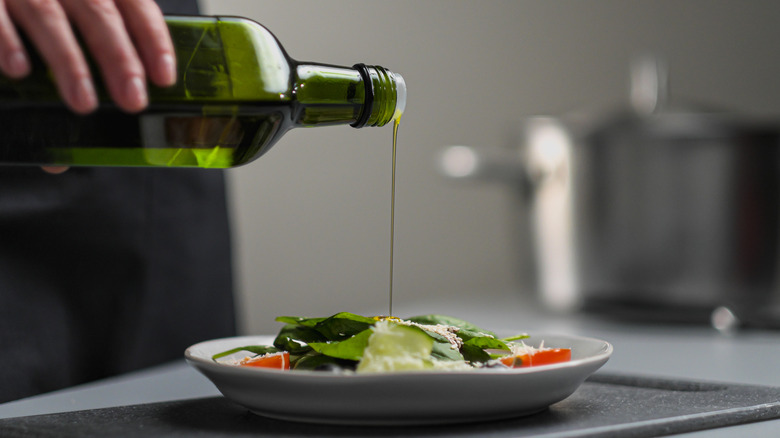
column 346, row 342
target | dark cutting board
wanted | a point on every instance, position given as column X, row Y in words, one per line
column 605, row 405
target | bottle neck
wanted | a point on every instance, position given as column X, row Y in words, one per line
column 359, row 96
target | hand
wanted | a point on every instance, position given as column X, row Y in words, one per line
column 128, row 39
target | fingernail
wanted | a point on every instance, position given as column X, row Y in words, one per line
column 136, row 94
column 168, row 69
column 83, row 97
column 17, row 64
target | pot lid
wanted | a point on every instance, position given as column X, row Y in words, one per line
column 651, row 111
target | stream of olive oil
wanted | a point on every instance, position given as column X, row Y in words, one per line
column 392, row 215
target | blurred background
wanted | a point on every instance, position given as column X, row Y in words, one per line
column 311, row 219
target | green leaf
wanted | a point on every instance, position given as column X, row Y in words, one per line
column 516, row 337
column 343, row 325
column 449, row 320
column 333, row 328
column 444, row 351
column 295, row 338
column 436, row 337
column 316, row 360
column 256, row 349
column 299, row 320
column 466, row 334
column 350, row 348
column 486, row 342
column 474, row 354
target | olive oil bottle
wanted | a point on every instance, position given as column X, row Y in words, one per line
column 237, row 93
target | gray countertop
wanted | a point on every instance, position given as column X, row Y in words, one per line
column 680, row 352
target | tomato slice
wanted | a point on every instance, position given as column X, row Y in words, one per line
column 555, row 355
column 278, row 361
column 516, row 361
column 543, row 357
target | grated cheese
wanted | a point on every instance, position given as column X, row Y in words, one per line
column 447, row 331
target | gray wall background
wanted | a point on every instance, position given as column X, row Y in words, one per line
column 311, row 218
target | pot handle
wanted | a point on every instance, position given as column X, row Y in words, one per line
column 505, row 167
column 542, row 156
column 469, row 163
column 539, row 169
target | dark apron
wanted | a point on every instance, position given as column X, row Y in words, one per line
column 107, row 270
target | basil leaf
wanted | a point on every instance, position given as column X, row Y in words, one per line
column 295, row 338
column 350, row 348
column 444, row 351
column 448, row 320
column 256, row 349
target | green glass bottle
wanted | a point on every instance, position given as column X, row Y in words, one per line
column 237, row 93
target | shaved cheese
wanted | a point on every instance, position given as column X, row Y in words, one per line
column 450, row 333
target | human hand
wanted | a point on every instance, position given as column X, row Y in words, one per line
column 128, row 39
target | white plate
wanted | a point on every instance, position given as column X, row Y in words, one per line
column 400, row 398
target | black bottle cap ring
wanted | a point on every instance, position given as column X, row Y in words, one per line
column 368, row 103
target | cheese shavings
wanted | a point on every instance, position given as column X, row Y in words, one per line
column 448, row 332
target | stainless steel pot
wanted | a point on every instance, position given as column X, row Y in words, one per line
column 655, row 212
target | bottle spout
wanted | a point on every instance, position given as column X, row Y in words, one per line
column 400, row 96
column 385, row 96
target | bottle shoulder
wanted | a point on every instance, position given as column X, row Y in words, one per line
column 226, row 59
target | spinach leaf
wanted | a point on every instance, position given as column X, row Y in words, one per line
column 449, row 320
column 316, row 361
column 350, row 348
column 444, row 351
column 259, row 350
column 436, row 337
column 487, row 342
column 299, row 320
column 474, row 354
column 295, row 338
column 333, row 328
column 516, row 337
column 466, row 334
column 474, row 349
column 343, row 325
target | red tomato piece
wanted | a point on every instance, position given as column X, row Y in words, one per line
column 555, row 355
column 543, row 357
column 278, row 361
column 516, row 361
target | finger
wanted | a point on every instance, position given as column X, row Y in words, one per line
column 106, row 37
column 46, row 24
column 146, row 24
column 55, row 170
column 14, row 61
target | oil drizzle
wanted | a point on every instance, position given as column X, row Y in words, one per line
column 396, row 122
